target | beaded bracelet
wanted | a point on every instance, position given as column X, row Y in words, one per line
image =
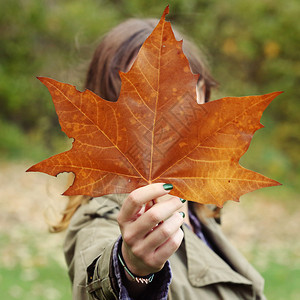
column 142, row 279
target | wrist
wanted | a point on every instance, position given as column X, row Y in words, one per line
column 129, row 274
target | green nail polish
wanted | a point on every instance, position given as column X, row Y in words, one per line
column 182, row 200
column 182, row 214
column 167, row 186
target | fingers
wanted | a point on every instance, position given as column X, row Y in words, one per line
column 149, row 255
column 154, row 260
column 168, row 248
column 163, row 232
column 136, row 199
column 161, row 211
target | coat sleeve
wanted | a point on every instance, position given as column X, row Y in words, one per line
column 88, row 246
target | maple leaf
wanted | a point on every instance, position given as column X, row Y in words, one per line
column 156, row 131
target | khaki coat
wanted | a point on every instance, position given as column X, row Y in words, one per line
column 197, row 271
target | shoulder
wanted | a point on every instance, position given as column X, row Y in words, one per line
column 91, row 222
column 106, row 206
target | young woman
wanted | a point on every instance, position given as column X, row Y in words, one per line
column 148, row 244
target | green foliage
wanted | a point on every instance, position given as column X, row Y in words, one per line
column 35, row 145
column 252, row 49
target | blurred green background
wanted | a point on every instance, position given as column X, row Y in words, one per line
column 252, row 48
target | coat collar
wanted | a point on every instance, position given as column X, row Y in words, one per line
column 205, row 266
column 232, row 255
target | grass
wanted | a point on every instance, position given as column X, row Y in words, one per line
column 49, row 282
column 281, row 281
column 280, row 268
column 30, row 270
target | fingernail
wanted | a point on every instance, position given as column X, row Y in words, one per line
column 182, row 214
column 167, row 186
column 182, row 200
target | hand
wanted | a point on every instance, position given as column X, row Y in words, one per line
column 147, row 241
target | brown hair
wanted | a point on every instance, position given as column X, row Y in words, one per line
column 115, row 53
column 121, row 45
